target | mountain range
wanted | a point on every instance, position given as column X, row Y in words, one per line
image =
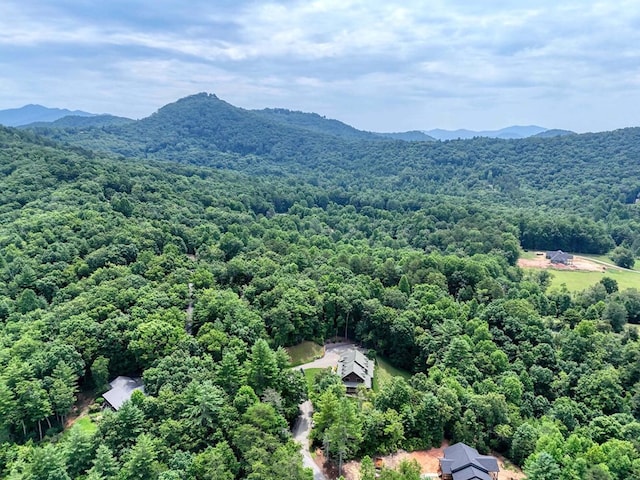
column 513, row 132
column 40, row 116
column 15, row 117
column 205, row 130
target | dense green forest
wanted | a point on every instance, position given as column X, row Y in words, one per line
column 287, row 235
column 574, row 192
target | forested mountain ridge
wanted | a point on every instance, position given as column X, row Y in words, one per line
column 314, row 122
column 75, row 121
column 592, row 176
column 203, row 129
column 321, row 124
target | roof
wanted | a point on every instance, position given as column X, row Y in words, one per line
column 354, row 361
column 559, row 256
column 121, row 390
column 465, row 463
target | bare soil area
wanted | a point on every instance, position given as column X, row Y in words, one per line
column 429, row 461
column 579, row 263
column 80, row 409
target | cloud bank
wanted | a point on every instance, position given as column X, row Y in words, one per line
column 384, row 66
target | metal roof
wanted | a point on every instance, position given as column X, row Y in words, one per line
column 354, row 361
column 121, row 390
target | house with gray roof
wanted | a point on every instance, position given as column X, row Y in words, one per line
column 560, row 257
column 461, row 462
column 355, row 369
column 121, row 390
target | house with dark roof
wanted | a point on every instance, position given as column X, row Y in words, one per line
column 560, row 257
column 121, row 390
column 355, row 369
column 461, row 462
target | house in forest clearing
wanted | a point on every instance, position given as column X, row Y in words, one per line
column 560, row 257
column 461, row 462
column 121, row 390
column 355, row 369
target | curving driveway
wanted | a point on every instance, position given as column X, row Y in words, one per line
column 300, row 432
column 302, row 426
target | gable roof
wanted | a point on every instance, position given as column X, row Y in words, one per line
column 354, row 361
column 121, row 390
column 559, row 256
column 465, row 463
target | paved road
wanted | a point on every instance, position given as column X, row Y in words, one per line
column 301, row 434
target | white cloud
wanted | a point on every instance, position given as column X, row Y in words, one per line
column 479, row 61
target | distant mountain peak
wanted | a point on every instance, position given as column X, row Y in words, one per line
column 32, row 113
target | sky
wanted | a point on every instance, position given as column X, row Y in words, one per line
column 377, row 65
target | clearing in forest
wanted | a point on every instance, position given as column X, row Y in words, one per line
column 429, row 461
column 583, row 273
column 304, row 352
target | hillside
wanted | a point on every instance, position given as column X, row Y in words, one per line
column 551, row 173
column 554, row 133
column 412, row 136
column 78, row 121
column 97, row 254
column 320, row 124
column 315, row 123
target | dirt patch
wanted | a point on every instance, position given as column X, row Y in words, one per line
column 508, row 471
column 579, row 263
column 429, row 461
column 80, row 409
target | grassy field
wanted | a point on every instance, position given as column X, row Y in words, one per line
column 385, row 372
column 579, row 280
column 304, row 352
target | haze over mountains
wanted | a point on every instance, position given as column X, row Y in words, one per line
column 515, row 131
column 38, row 115
column 15, row 117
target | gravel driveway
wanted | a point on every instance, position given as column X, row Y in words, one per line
column 332, row 354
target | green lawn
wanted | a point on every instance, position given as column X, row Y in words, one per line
column 310, row 375
column 385, row 372
column 304, row 352
column 580, row 280
column 84, row 423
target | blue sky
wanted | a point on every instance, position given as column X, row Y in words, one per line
column 378, row 65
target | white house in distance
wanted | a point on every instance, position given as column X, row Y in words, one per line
column 121, row 390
